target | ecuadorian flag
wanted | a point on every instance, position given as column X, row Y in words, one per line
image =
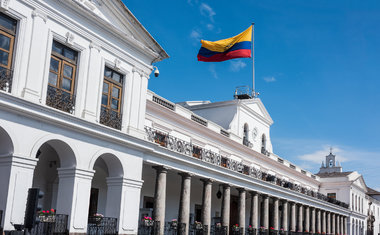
column 226, row 49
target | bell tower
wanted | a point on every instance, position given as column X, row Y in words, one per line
column 331, row 164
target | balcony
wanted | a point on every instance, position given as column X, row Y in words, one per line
column 60, row 99
column 211, row 158
column 110, row 118
column 6, row 76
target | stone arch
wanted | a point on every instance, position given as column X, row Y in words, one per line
column 111, row 160
column 6, row 143
column 66, row 153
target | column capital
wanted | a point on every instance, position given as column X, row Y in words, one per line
column 241, row 189
column 207, row 180
column 186, row 175
column 224, row 185
column 161, row 169
column 253, row 193
column 264, row 196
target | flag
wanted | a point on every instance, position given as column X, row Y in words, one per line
column 226, row 49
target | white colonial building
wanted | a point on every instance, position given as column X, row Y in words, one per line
column 77, row 121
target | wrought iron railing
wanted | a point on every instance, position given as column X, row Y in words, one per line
column 55, row 225
column 218, row 230
column 198, row 229
column 247, row 143
column 175, row 228
column 102, row 226
column 60, row 99
column 6, row 77
column 110, row 118
column 205, row 155
column 152, row 228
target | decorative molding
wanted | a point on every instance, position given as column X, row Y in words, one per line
column 117, row 64
column 96, row 46
column 70, row 38
column 38, row 13
column 4, row 4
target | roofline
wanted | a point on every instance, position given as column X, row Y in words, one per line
column 162, row 53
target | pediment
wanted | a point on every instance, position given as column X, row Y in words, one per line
column 120, row 18
column 257, row 107
column 359, row 182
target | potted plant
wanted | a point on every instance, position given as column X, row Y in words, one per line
column 282, row 231
column 235, row 228
column 174, row 224
column 263, row 229
column 198, row 225
column 47, row 215
column 148, row 222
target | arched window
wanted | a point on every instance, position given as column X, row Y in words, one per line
column 352, row 202
column 359, row 204
column 356, row 202
column 246, row 135
column 263, row 143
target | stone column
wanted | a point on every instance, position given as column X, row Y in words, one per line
column 319, row 226
column 313, row 228
column 328, row 223
column 226, row 206
column 345, row 225
column 73, row 197
column 293, row 217
column 254, row 210
column 184, row 204
column 160, row 197
column 285, row 216
column 300, row 218
column 307, row 219
column 266, row 212
column 338, row 224
column 241, row 209
column 333, row 223
column 276, row 214
column 341, row 224
column 206, row 203
column 16, row 177
column 323, row 221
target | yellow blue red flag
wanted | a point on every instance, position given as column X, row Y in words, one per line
column 226, row 49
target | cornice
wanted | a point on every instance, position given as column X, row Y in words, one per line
column 86, row 33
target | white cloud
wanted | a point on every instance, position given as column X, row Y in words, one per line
column 206, row 10
column 319, row 155
column 210, row 26
column 237, row 65
column 270, row 79
column 212, row 70
column 196, row 35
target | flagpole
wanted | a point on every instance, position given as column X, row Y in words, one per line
column 253, row 62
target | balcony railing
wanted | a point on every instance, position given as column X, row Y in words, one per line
column 110, row 118
column 56, row 225
column 102, row 225
column 209, row 157
column 60, row 99
column 6, row 76
column 247, row 143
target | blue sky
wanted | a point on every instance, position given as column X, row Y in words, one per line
column 317, row 68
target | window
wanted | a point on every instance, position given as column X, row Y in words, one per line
column 331, row 195
column 62, row 70
column 111, row 98
column 7, row 39
column 246, row 135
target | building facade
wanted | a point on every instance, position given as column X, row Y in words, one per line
column 78, row 122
